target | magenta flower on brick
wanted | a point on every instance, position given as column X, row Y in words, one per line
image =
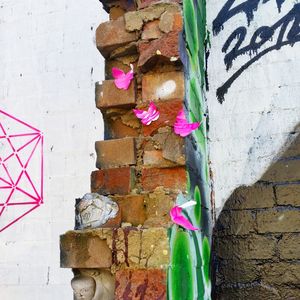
column 122, row 79
column 147, row 116
column 178, row 218
column 182, row 127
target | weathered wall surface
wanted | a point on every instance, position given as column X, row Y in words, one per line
column 254, row 148
column 48, row 66
column 259, row 91
column 257, row 236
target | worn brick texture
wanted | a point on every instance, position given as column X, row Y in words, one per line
column 142, row 168
column 115, row 153
column 140, row 284
column 118, row 248
column 257, row 236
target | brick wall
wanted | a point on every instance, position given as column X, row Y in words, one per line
column 257, row 235
column 144, row 168
column 141, row 167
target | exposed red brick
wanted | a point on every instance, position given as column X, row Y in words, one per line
column 170, row 21
column 173, row 178
column 151, row 31
column 163, row 86
column 154, row 158
column 117, row 129
column 112, row 35
column 160, row 50
column 113, row 181
column 164, row 150
column 132, row 208
column 108, row 95
column 177, row 22
column 168, row 112
column 140, row 284
column 115, row 153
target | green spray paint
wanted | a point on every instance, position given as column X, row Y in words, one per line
column 189, row 270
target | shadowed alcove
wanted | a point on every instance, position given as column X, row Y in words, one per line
column 256, row 238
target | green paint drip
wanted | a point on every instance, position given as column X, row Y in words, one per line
column 206, row 258
column 182, row 272
column 189, row 270
column 197, row 208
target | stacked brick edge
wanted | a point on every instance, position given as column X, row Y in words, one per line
column 142, row 168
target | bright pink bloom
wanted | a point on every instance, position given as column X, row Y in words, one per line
column 147, row 116
column 182, row 127
column 122, row 79
column 178, row 218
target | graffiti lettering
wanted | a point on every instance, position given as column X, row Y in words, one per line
column 288, row 29
column 248, row 8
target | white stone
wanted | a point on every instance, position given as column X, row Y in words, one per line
column 94, row 210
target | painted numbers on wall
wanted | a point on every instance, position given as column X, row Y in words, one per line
column 285, row 31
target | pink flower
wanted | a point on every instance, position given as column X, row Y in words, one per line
column 122, row 79
column 182, row 127
column 179, row 219
column 147, row 116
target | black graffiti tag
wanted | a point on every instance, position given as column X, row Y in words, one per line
column 287, row 30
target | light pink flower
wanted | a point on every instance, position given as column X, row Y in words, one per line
column 182, row 127
column 147, row 116
column 179, row 219
column 122, row 79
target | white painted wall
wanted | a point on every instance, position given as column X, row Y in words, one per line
column 252, row 125
column 48, row 67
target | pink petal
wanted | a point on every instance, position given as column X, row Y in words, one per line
column 182, row 127
column 146, row 117
column 181, row 116
column 140, row 113
column 179, row 219
column 155, row 116
column 152, row 107
column 122, row 80
column 117, row 73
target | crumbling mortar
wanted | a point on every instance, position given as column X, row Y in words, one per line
column 135, row 20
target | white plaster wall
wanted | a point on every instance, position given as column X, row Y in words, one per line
column 48, row 68
column 261, row 108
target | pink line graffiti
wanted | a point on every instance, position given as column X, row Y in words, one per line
column 21, row 169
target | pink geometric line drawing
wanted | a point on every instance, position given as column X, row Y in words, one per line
column 21, row 169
